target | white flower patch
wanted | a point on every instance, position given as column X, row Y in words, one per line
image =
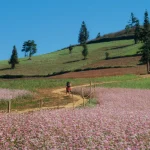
column 8, row 94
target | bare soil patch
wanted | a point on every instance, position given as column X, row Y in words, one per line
column 141, row 69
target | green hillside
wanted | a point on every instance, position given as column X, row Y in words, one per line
column 63, row 61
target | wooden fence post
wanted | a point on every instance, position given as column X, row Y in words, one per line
column 9, row 106
column 83, row 96
column 94, row 90
column 40, row 103
column 90, row 91
column 73, row 100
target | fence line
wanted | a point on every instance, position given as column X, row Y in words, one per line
column 40, row 102
column 89, row 96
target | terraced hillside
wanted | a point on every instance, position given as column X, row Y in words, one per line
column 119, row 52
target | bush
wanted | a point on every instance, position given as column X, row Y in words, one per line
column 107, row 55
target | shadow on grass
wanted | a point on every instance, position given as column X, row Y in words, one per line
column 115, row 57
column 119, row 47
column 5, row 69
column 71, row 61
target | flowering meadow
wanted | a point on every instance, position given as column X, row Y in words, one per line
column 8, row 94
column 121, row 121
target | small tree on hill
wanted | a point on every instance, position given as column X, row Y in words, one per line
column 85, row 51
column 70, row 49
column 29, row 47
column 107, row 55
column 83, row 34
column 98, row 35
column 14, row 58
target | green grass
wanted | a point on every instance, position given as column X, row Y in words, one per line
column 33, row 84
column 142, row 83
column 61, row 60
column 19, row 103
column 91, row 103
column 25, row 103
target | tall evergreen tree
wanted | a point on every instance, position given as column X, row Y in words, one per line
column 14, row 58
column 146, row 21
column 83, row 34
column 132, row 21
column 29, row 47
column 145, row 38
column 127, row 29
column 137, row 32
column 85, row 51
column 145, row 51
column 145, row 32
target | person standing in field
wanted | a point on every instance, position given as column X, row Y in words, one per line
column 68, row 87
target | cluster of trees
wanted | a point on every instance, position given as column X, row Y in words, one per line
column 29, row 47
column 142, row 34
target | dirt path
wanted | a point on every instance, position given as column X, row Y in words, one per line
column 77, row 100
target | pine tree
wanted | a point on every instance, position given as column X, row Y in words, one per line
column 145, row 38
column 145, row 51
column 83, row 34
column 145, row 32
column 132, row 21
column 146, row 21
column 127, row 29
column 85, row 51
column 14, row 58
column 137, row 32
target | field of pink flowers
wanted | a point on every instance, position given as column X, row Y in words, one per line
column 8, row 94
column 120, row 122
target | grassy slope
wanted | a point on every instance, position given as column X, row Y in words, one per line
column 61, row 60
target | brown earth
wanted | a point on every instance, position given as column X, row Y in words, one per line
column 104, row 72
column 126, row 61
column 61, row 100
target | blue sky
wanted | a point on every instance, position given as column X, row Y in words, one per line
column 55, row 24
